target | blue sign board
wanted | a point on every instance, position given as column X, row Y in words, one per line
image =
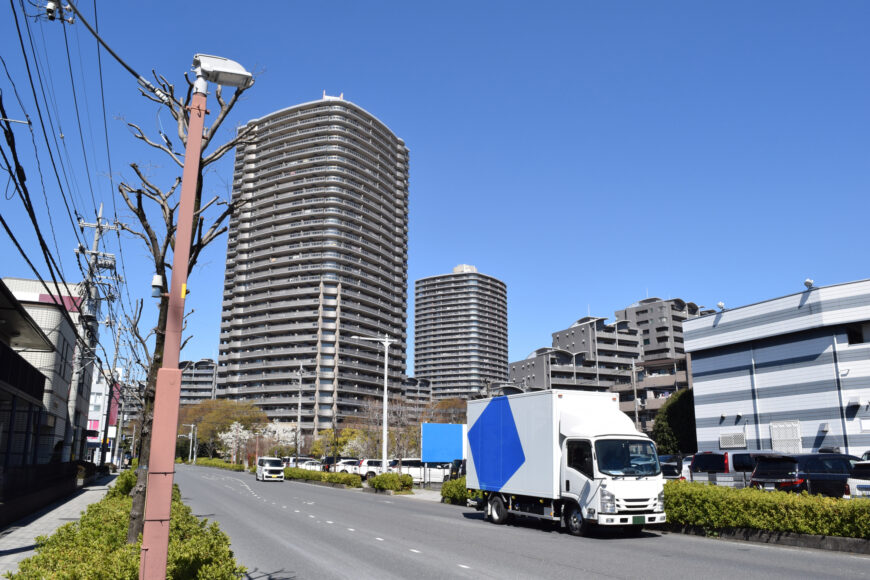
column 441, row 442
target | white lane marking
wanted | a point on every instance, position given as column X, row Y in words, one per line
column 328, row 522
column 464, row 566
column 379, row 539
column 283, row 507
column 310, row 516
column 413, row 550
column 295, row 511
column 351, row 530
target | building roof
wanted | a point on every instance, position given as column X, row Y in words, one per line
column 17, row 328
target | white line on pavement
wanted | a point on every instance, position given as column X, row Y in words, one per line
column 413, row 550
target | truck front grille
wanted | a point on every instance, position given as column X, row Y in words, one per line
column 635, row 505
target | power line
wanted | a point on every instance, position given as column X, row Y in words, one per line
column 78, row 117
column 39, row 112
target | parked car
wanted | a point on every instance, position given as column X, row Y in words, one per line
column 734, row 462
column 270, row 469
column 671, row 470
column 311, row 464
column 368, row 468
column 419, row 471
column 329, row 461
column 817, row 473
column 858, row 484
column 457, row 469
column 347, row 466
column 866, row 456
column 291, row 461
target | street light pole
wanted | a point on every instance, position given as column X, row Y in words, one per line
column 386, row 341
column 155, row 533
column 298, row 416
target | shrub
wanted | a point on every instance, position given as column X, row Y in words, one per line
column 123, row 484
column 392, row 481
column 454, row 491
column 348, row 479
column 716, row 508
column 219, row 463
column 96, row 546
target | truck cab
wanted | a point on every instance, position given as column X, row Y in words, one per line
column 611, row 481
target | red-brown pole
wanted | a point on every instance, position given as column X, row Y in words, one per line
column 155, row 535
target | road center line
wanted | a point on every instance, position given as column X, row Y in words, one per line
column 413, row 550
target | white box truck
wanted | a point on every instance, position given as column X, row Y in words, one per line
column 565, row 456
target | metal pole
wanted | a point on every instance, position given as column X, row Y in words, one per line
column 298, row 416
column 155, row 535
column 386, row 344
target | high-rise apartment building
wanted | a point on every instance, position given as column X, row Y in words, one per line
column 317, row 255
column 460, row 332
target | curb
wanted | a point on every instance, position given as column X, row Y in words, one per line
column 830, row 543
column 381, row 491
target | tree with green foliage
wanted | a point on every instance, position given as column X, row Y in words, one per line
column 674, row 429
column 214, row 416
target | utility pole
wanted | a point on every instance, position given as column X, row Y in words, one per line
column 88, row 312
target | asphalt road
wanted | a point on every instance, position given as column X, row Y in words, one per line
column 297, row 530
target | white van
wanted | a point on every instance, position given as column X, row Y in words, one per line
column 270, row 469
column 420, row 472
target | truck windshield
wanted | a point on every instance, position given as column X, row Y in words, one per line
column 626, row 457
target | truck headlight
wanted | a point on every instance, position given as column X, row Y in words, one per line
column 660, row 502
column 608, row 502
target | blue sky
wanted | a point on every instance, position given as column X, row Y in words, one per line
column 587, row 154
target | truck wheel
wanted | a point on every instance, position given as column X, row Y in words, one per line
column 575, row 523
column 497, row 512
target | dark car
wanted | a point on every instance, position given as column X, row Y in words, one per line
column 726, row 461
column 457, row 469
column 670, row 470
column 817, row 473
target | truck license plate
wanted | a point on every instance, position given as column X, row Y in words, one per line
column 638, row 520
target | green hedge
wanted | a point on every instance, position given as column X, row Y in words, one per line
column 96, row 545
column 219, row 463
column 454, row 491
column 392, row 481
column 348, row 479
column 718, row 508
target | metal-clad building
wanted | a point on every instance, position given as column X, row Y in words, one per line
column 790, row 374
column 318, row 254
column 460, row 332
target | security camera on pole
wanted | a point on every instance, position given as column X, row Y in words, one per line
column 155, row 537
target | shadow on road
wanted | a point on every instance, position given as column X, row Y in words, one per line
column 256, row 574
column 597, row 532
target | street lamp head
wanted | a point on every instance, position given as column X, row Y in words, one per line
column 222, row 71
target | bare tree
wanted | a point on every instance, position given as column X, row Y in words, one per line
column 154, row 208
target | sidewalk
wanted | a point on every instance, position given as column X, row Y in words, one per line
column 17, row 540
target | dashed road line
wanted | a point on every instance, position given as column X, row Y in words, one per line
column 351, row 530
column 464, row 566
column 413, row 550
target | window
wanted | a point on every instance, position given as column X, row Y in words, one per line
column 580, row 457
